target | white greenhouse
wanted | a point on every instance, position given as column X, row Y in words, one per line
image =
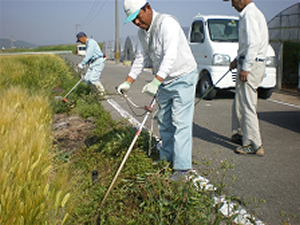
column 284, row 31
column 130, row 47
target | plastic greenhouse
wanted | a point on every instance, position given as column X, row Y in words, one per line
column 284, row 32
column 130, row 48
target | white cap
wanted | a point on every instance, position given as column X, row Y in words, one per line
column 132, row 8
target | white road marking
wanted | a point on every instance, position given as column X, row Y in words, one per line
column 124, row 113
column 284, row 103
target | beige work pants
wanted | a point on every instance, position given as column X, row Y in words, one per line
column 244, row 116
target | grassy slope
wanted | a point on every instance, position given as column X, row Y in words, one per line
column 142, row 193
column 70, row 47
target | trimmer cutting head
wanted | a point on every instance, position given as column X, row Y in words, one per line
column 60, row 98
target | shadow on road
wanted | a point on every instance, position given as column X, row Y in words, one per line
column 212, row 137
column 222, row 94
column 288, row 119
column 225, row 94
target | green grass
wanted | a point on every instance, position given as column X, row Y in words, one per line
column 67, row 47
column 142, row 193
column 35, row 73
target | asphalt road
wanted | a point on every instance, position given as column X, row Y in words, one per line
column 273, row 179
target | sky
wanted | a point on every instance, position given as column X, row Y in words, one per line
column 51, row 22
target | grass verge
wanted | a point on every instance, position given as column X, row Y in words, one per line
column 46, row 188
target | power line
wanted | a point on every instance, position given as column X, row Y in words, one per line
column 88, row 19
column 93, row 8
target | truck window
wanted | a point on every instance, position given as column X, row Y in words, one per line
column 197, row 35
column 81, row 50
column 223, row 30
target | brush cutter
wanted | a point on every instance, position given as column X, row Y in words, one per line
column 64, row 99
column 212, row 87
column 148, row 111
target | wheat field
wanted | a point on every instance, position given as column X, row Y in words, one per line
column 33, row 186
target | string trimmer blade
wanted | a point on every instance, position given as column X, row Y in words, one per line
column 64, row 100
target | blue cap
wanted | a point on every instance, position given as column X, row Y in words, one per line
column 132, row 16
column 79, row 35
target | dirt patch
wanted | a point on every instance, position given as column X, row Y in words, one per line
column 71, row 132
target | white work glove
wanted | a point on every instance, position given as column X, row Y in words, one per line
column 151, row 88
column 124, row 87
column 79, row 66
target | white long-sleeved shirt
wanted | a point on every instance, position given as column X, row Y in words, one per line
column 253, row 35
column 169, row 52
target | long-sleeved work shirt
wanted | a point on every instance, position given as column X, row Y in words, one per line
column 253, row 35
column 168, row 50
column 93, row 51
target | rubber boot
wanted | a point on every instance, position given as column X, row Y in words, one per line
column 100, row 89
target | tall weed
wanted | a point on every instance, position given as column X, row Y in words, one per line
column 32, row 190
column 34, row 72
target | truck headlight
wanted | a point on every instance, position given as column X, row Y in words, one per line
column 221, row 60
column 270, row 61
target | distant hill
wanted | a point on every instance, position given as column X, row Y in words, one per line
column 6, row 43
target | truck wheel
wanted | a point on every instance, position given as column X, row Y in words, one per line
column 265, row 93
column 204, row 84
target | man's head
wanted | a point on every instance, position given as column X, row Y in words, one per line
column 139, row 12
column 81, row 37
column 239, row 5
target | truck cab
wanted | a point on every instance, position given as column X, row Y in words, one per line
column 214, row 43
column 81, row 49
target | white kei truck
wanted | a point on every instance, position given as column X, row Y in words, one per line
column 81, row 49
column 214, row 42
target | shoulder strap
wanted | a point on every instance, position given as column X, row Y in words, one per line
column 155, row 24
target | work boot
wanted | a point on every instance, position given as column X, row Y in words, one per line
column 245, row 150
column 179, row 175
column 237, row 138
column 100, row 89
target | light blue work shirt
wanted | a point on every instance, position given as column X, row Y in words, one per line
column 93, row 51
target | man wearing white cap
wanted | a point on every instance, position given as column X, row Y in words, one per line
column 162, row 40
column 253, row 44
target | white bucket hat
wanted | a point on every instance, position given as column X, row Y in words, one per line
column 132, row 8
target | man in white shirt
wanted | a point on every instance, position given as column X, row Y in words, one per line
column 253, row 43
column 162, row 40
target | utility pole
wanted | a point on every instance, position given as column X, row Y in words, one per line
column 76, row 29
column 117, row 50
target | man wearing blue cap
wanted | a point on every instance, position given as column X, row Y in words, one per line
column 96, row 60
column 162, row 40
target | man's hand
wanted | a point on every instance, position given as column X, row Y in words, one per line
column 243, row 75
column 79, row 66
column 233, row 65
column 124, row 87
column 151, row 88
